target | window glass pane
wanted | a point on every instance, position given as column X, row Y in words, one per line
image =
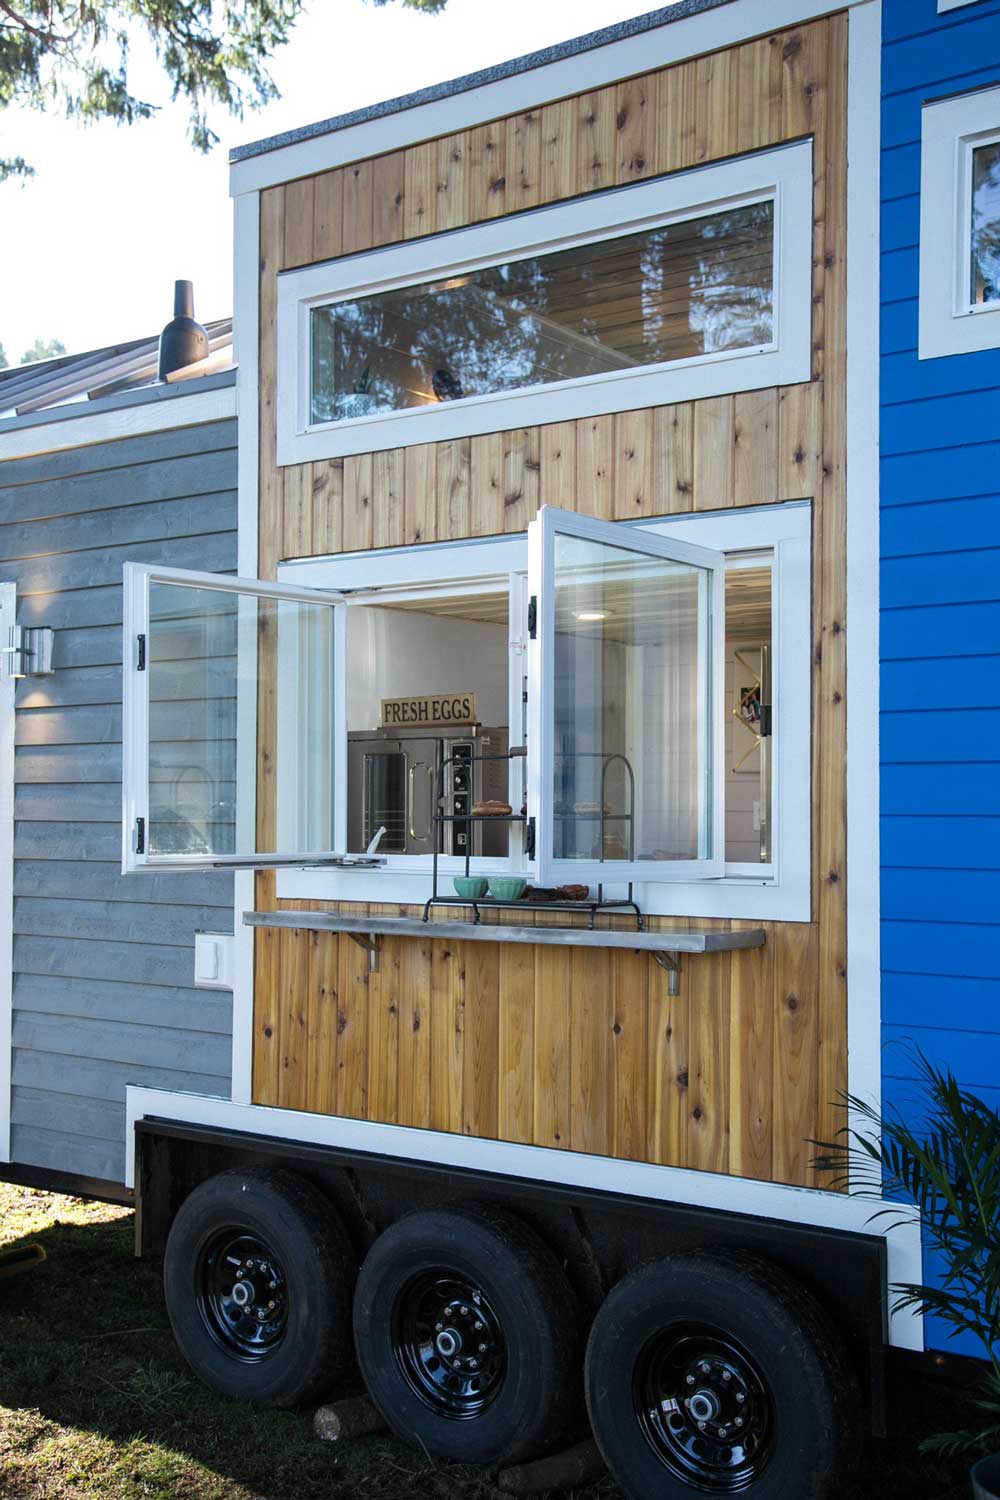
column 748, row 715
column 986, row 224
column 698, row 287
column 631, row 692
column 427, row 697
column 210, row 653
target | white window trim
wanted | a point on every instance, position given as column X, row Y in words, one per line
column 781, row 892
column 951, row 130
column 784, row 174
column 944, row 5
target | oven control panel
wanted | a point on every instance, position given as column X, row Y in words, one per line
column 461, row 794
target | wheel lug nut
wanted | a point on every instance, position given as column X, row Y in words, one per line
column 738, row 1422
column 705, row 1368
column 690, row 1380
column 702, row 1426
column 482, row 1348
column 465, row 1312
column 438, row 1327
column 727, row 1377
column 478, row 1327
column 740, row 1397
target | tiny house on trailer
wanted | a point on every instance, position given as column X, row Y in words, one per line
column 539, row 729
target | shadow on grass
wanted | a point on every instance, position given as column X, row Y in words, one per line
column 96, row 1401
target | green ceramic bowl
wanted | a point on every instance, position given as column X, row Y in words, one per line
column 507, row 888
column 470, row 887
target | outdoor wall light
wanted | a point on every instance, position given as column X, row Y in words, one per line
column 29, row 651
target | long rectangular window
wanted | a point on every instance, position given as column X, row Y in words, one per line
column 701, row 286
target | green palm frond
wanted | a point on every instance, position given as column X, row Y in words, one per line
column 946, row 1165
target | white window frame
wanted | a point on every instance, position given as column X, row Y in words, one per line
column 137, row 579
column 780, row 891
column 542, row 533
column 951, row 130
column 784, row 174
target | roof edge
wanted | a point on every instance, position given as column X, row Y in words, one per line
column 620, row 31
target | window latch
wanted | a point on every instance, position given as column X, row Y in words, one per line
column 140, row 835
column 533, row 617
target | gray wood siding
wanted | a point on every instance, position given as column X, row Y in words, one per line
column 103, row 963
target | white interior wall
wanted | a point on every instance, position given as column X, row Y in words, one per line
column 395, row 652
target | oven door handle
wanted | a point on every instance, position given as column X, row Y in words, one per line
column 411, row 800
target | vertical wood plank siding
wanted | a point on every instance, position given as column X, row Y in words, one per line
column 740, row 1071
column 103, row 963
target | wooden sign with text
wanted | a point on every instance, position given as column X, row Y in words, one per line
column 436, row 711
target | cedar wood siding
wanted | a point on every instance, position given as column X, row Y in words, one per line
column 103, row 963
column 582, row 1049
column 940, row 615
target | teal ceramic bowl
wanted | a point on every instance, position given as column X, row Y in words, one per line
column 507, row 888
column 470, row 887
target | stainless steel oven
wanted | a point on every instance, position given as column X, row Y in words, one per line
column 392, row 784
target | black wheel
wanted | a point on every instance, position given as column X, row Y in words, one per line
column 719, row 1375
column 467, row 1335
column 258, row 1277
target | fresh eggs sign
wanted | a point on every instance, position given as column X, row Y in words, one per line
column 437, row 711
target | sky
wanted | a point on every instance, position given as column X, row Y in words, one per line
column 90, row 247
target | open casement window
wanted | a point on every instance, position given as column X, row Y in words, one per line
column 626, row 701
column 220, row 673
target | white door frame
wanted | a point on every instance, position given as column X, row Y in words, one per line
column 8, row 615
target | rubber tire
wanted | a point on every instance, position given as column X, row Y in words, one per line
column 540, row 1395
column 320, row 1268
column 785, row 1333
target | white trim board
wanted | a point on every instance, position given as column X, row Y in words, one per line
column 124, row 422
column 673, row 42
column 246, row 353
column 708, row 1190
column 864, row 957
column 945, row 5
column 8, row 616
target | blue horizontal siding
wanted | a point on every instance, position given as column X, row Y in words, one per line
column 910, row 1001
column 968, row 682
column 918, row 787
column 926, row 894
column 922, row 735
column 958, row 630
column 940, row 618
column 929, row 842
column 941, row 526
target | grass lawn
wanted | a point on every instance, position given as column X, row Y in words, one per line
column 96, row 1403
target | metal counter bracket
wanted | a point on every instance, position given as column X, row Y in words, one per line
column 372, row 944
column 672, row 964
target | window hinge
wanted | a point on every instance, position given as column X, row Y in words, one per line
column 529, row 840
column 533, row 617
column 140, row 664
column 140, row 835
